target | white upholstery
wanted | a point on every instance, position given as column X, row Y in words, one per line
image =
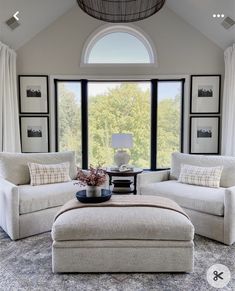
column 228, row 163
column 27, row 210
column 159, row 256
column 122, row 239
column 35, row 198
column 208, row 225
column 211, row 210
column 122, row 223
column 9, row 208
column 14, row 166
column 203, row 199
column 229, row 215
column 37, row 222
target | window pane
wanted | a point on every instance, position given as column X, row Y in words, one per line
column 109, row 50
column 119, row 107
column 69, row 118
column 169, row 121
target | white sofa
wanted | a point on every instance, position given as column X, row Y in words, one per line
column 211, row 210
column 26, row 210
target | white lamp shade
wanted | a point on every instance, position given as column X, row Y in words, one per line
column 122, row 140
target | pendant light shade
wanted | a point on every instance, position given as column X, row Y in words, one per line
column 119, row 11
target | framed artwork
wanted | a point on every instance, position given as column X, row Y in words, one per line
column 204, row 135
column 34, row 134
column 33, row 94
column 205, row 94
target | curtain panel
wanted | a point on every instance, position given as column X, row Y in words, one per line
column 228, row 125
column 9, row 116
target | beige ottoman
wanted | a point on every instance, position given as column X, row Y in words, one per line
column 122, row 239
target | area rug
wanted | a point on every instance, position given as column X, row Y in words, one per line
column 26, row 265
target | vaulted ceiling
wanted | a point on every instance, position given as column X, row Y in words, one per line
column 36, row 15
column 199, row 13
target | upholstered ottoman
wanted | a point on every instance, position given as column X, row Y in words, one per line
column 124, row 234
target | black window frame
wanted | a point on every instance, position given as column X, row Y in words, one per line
column 153, row 117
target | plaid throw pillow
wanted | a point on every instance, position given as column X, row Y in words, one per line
column 201, row 176
column 41, row 174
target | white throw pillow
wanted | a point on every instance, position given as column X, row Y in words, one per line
column 41, row 174
column 201, row 176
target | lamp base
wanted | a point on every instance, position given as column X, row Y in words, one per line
column 121, row 157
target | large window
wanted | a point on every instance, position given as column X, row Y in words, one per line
column 69, row 118
column 89, row 112
column 119, row 107
column 170, row 97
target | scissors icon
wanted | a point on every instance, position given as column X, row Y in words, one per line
column 218, row 276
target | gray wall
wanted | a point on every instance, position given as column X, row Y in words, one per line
column 181, row 51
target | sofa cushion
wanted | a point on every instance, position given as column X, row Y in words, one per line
column 203, row 199
column 228, row 163
column 41, row 174
column 201, row 176
column 14, row 166
column 122, row 223
column 35, row 198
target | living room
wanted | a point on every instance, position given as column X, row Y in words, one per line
column 117, row 157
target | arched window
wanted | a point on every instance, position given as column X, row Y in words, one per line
column 118, row 44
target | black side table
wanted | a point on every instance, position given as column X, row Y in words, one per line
column 132, row 173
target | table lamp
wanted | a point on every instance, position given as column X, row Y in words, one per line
column 122, row 141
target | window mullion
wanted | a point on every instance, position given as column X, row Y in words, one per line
column 84, row 114
column 56, row 116
column 182, row 117
column 154, row 104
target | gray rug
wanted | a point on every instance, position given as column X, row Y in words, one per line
column 26, row 265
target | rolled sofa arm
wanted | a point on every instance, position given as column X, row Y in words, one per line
column 9, row 208
column 152, row 177
column 229, row 216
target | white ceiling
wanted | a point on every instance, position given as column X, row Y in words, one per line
column 35, row 15
column 199, row 13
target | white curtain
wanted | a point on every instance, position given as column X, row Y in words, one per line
column 228, row 124
column 9, row 117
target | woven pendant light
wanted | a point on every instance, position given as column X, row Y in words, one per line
column 119, row 11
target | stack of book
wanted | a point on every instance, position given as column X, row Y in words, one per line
column 122, row 186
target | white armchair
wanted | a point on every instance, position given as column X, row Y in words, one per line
column 9, row 208
column 26, row 210
column 211, row 210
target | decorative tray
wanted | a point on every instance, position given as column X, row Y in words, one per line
column 105, row 196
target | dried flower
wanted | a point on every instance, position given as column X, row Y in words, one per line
column 95, row 176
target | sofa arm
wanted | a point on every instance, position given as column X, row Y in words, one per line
column 152, row 177
column 9, row 208
column 229, row 215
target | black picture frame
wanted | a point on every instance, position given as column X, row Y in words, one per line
column 206, row 133
column 25, row 144
column 38, row 87
column 210, row 88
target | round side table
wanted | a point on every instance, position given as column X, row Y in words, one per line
column 132, row 173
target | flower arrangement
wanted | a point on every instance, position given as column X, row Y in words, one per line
column 95, row 176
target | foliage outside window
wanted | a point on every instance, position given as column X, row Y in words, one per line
column 169, row 121
column 120, row 107
column 69, row 118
